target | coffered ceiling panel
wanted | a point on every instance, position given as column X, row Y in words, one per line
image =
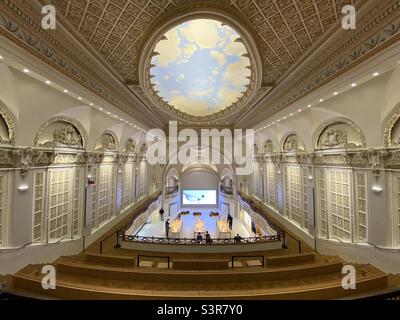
column 285, row 29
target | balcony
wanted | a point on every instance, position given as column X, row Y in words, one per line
column 227, row 190
column 171, row 190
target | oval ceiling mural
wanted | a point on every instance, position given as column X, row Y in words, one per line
column 200, row 67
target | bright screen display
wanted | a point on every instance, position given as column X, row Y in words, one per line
column 199, row 197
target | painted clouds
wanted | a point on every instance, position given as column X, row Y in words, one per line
column 200, row 68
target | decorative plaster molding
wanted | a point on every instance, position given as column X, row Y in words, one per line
column 321, row 128
column 69, row 120
column 387, row 137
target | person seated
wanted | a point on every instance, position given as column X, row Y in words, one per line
column 199, row 238
column 238, row 238
column 208, row 237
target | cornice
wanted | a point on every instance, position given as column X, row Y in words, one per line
column 345, row 50
column 19, row 23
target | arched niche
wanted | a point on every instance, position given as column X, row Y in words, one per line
column 338, row 133
column 268, row 147
column 172, row 177
column 61, row 132
column 7, row 126
column 392, row 129
column 292, row 143
column 106, row 142
column 130, row 146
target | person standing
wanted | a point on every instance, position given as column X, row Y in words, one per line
column 162, row 214
column 167, row 228
column 230, row 221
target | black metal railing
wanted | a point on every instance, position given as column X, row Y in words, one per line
column 256, row 205
column 171, row 190
column 194, row 241
column 227, row 190
column 138, row 211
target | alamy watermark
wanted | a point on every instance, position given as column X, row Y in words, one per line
column 350, row 277
column 49, row 280
column 210, row 147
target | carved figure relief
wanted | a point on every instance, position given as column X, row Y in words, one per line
column 333, row 138
column 291, row 143
column 108, row 142
column 130, row 146
column 268, row 147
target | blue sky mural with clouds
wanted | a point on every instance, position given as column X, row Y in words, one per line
column 200, row 68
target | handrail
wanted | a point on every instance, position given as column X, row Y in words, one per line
column 193, row 241
column 274, row 226
column 140, row 210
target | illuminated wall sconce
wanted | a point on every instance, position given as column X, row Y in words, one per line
column 23, row 187
column 377, row 189
column 89, row 176
column 310, row 177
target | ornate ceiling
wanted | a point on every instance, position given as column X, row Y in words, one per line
column 106, row 39
column 283, row 30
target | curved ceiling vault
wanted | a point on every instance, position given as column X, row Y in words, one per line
column 276, row 37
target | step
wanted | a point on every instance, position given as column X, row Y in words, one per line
column 321, row 287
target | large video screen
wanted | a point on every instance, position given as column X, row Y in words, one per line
column 199, row 197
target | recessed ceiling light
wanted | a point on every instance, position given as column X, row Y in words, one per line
column 273, row 123
column 299, row 110
column 321, row 100
column 291, row 114
column 48, row 82
column 309, row 106
column 26, row 70
column 335, row 93
column 108, row 112
column 1, row 57
column 354, row 85
column 101, row 109
column 79, row 98
column 268, row 125
column 284, row 118
column 376, row 74
column 279, row 120
column 121, row 119
column 65, row 91
column 91, row 104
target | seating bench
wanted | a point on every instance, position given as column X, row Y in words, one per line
column 110, row 259
column 282, row 260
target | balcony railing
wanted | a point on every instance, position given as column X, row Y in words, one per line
column 186, row 241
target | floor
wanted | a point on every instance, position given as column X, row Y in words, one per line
column 157, row 229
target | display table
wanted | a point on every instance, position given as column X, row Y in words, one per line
column 223, row 229
column 175, row 228
column 199, row 227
